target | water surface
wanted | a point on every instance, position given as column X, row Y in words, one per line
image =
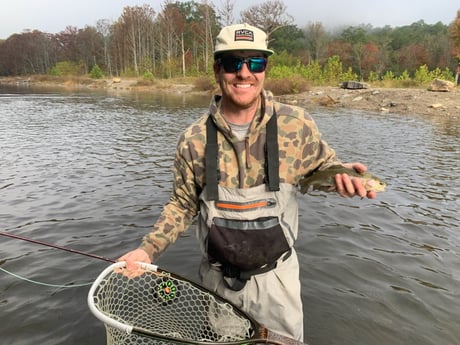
column 91, row 172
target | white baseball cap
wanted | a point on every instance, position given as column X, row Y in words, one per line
column 241, row 37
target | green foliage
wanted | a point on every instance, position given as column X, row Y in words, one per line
column 129, row 73
column 373, row 76
column 96, row 72
column 445, row 74
column 148, row 75
column 389, row 75
column 283, row 58
column 67, row 68
column 287, row 38
column 404, row 80
column 349, row 75
column 422, row 75
column 404, row 76
column 55, row 71
column 330, row 74
column 355, row 35
column 313, row 72
column 332, row 71
column 282, row 71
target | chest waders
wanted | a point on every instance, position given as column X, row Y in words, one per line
column 247, row 231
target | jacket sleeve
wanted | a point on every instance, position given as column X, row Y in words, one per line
column 317, row 154
column 302, row 149
column 181, row 208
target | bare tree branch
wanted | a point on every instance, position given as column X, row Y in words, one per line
column 268, row 16
column 225, row 12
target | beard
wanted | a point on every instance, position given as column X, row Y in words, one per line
column 238, row 97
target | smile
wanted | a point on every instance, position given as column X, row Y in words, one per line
column 243, row 86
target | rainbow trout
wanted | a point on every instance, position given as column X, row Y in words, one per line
column 324, row 180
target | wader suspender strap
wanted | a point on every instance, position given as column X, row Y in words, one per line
column 271, row 157
column 211, row 158
column 272, row 162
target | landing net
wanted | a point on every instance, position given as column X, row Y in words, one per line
column 161, row 308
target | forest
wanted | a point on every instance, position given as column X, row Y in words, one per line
column 178, row 41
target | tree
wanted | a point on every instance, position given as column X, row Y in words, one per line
column 225, row 12
column 135, row 26
column 338, row 47
column 103, row 27
column 370, row 58
column 96, row 72
column 382, row 37
column 288, row 38
column 209, row 19
column 200, row 29
column 268, row 16
column 316, row 40
column 412, row 57
column 90, row 46
column 27, row 53
column 357, row 38
column 171, row 34
column 67, row 42
column 455, row 35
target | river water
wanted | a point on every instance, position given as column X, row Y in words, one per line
column 91, row 172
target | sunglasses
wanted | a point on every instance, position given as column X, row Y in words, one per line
column 233, row 64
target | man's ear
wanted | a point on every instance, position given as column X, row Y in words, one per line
column 216, row 67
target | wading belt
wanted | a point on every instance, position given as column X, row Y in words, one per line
column 271, row 157
column 241, row 277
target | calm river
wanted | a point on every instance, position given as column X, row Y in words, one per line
column 91, row 172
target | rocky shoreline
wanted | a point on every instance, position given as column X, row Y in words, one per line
column 405, row 101
column 383, row 100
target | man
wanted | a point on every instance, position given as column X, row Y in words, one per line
column 239, row 172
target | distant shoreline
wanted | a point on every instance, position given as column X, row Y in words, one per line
column 404, row 101
column 118, row 84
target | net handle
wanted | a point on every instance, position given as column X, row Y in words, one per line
column 91, row 303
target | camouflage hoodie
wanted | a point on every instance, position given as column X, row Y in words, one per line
column 241, row 162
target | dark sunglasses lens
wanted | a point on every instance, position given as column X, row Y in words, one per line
column 257, row 64
column 232, row 64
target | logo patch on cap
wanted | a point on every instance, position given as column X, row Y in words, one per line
column 244, row 35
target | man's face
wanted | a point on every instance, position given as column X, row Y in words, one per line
column 240, row 87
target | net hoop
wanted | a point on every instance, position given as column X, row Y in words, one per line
column 92, row 306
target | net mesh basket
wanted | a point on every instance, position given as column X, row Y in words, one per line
column 166, row 310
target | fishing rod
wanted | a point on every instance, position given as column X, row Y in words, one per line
column 51, row 245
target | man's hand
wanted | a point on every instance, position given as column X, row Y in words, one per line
column 349, row 187
column 132, row 269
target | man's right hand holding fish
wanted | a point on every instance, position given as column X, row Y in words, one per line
column 347, row 180
column 348, row 186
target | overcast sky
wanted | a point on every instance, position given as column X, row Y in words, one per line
column 53, row 16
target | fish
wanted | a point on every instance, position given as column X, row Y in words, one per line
column 324, row 180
